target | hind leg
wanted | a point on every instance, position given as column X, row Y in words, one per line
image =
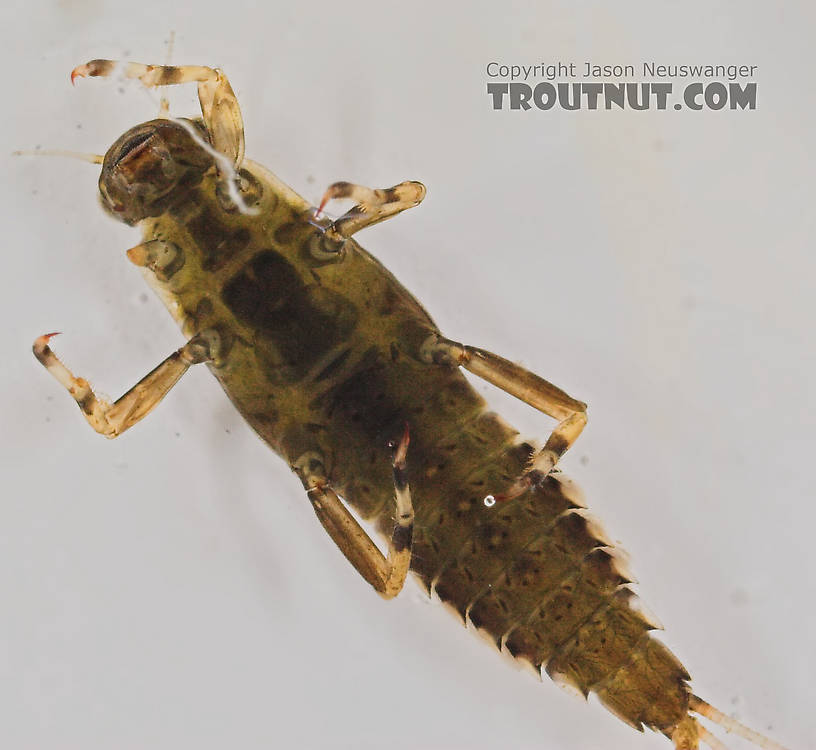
column 386, row 574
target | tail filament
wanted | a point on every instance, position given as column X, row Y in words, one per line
column 699, row 706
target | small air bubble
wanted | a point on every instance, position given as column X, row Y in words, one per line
column 490, row 501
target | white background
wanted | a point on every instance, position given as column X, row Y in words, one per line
column 172, row 589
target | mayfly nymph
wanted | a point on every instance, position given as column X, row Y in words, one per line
column 347, row 378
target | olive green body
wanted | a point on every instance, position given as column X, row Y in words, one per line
column 320, row 352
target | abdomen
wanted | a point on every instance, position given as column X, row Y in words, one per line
column 536, row 573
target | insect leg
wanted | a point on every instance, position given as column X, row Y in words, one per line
column 386, row 574
column 219, row 106
column 111, row 420
column 524, row 385
column 164, row 104
column 373, row 205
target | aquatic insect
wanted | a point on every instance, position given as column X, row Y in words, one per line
column 334, row 364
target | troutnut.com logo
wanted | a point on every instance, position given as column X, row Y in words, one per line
column 570, row 86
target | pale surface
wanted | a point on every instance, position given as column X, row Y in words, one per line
column 172, row 589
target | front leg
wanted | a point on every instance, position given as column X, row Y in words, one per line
column 524, row 385
column 219, row 106
column 386, row 574
column 111, row 420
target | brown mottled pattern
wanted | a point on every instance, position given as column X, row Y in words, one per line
column 531, row 575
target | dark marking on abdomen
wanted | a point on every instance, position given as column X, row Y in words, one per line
column 364, row 404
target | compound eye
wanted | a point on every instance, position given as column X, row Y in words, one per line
column 132, row 145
